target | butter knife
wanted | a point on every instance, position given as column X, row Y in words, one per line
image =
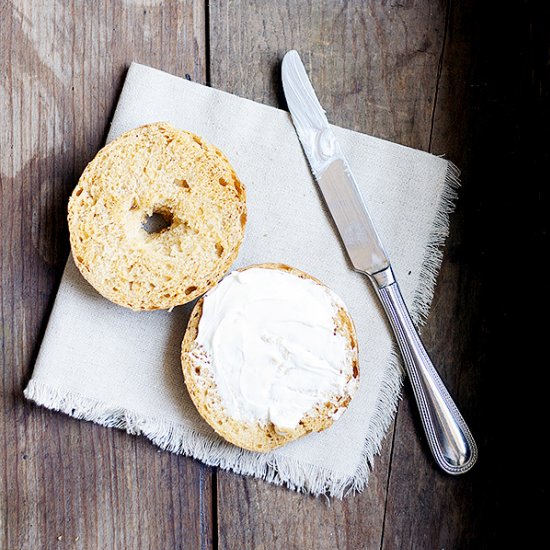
column 449, row 438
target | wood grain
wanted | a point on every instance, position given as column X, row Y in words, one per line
column 375, row 66
column 63, row 483
column 430, row 511
column 492, row 105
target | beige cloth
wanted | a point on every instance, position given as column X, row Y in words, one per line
column 104, row 363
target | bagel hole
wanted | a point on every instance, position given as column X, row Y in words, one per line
column 159, row 221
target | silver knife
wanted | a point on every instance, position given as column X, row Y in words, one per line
column 449, row 438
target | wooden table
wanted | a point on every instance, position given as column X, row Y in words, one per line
column 440, row 76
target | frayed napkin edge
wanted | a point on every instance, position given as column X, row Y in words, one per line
column 210, row 449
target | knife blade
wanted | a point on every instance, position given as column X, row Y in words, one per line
column 331, row 170
column 449, row 438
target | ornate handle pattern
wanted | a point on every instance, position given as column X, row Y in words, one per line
column 449, row 438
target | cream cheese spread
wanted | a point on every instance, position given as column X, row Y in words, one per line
column 268, row 339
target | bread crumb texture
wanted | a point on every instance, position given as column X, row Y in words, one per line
column 156, row 172
column 257, row 436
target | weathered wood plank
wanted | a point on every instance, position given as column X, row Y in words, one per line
column 374, row 66
column 425, row 508
column 63, row 483
column 491, row 118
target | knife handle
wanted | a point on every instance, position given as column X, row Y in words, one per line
column 449, row 438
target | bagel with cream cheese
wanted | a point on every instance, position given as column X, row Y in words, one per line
column 269, row 355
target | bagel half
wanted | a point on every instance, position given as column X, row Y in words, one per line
column 161, row 172
column 260, row 435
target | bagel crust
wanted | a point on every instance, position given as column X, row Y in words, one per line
column 156, row 172
column 261, row 436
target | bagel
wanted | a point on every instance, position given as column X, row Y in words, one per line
column 269, row 355
column 156, row 174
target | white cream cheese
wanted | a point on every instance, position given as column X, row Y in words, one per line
column 267, row 338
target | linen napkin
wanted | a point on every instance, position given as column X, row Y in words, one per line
column 104, row 363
